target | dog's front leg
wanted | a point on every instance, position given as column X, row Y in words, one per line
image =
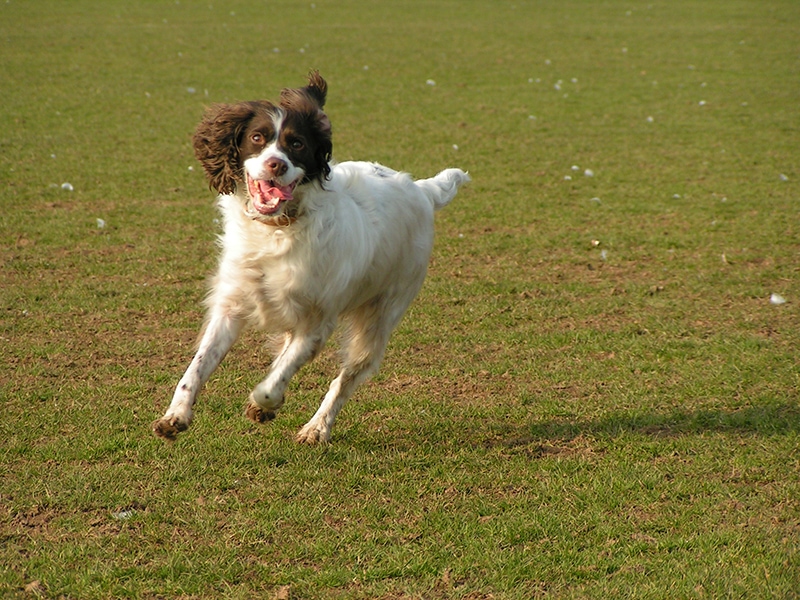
column 220, row 334
column 298, row 349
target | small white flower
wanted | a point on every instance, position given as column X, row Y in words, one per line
column 575, row 168
column 430, row 82
column 191, row 90
column 67, row 187
column 455, row 146
column 588, row 173
column 676, row 196
column 650, row 119
column 783, row 177
column 702, row 103
column 101, row 224
column 567, row 177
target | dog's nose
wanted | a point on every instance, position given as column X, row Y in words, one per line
column 276, row 166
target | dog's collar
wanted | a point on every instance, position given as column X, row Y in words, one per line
column 279, row 221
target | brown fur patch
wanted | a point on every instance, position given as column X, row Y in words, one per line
column 168, row 430
column 257, row 414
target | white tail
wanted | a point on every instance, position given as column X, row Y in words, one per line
column 442, row 188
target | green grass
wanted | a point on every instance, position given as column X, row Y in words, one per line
column 593, row 395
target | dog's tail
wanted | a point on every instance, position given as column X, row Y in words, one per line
column 442, row 188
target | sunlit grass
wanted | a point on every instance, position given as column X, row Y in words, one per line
column 593, row 395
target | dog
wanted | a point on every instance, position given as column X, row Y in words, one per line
column 307, row 243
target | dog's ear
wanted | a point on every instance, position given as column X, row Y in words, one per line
column 310, row 100
column 317, row 88
column 216, row 143
column 312, row 95
column 324, row 149
column 316, row 92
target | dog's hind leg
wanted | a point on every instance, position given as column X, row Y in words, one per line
column 318, row 429
column 221, row 332
column 298, row 349
column 366, row 336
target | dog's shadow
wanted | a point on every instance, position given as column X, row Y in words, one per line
column 556, row 436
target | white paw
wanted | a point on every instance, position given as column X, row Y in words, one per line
column 269, row 400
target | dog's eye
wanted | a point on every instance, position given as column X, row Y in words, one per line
column 257, row 138
column 297, row 145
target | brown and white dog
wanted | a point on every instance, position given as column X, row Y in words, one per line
column 306, row 244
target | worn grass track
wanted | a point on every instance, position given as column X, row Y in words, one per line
column 593, row 395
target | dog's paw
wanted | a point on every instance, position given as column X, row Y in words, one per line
column 312, row 435
column 257, row 414
column 168, row 428
column 268, row 398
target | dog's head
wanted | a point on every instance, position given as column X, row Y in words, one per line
column 267, row 149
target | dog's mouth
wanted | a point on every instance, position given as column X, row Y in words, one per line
column 267, row 196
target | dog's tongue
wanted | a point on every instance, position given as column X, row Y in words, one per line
column 268, row 197
column 280, row 192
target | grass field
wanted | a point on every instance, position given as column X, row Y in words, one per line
column 594, row 395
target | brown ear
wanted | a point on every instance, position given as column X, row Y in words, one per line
column 216, row 143
column 317, row 88
column 310, row 100
column 313, row 94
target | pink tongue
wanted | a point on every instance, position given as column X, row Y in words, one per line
column 275, row 193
